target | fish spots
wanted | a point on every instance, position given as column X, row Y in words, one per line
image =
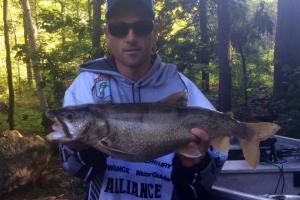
column 182, row 111
column 179, row 111
column 105, row 141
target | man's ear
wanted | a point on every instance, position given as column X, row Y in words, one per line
column 157, row 27
column 106, row 34
column 156, row 31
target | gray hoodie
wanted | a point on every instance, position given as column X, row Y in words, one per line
column 161, row 178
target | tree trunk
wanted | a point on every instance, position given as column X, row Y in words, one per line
column 224, row 55
column 96, row 52
column 18, row 64
column 35, row 12
column 244, row 68
column 8, row 68
column 18, row 60
column 286, row 90
column 33, row 55
column 27, row 57
column 204, row 57
column 89, row 8
column 287, row 47
column 62, row 18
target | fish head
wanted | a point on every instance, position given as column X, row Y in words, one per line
column 70, row 123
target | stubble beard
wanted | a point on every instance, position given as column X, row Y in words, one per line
column 135, row 62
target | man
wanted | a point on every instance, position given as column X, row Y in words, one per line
column 133, row 74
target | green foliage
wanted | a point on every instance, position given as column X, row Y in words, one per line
column 184, row 46
column 262, row 21
column 51, row 20
column 288, row 109
column 179, row 42
column 59, row 67
column 250, row 32
column 27, row 115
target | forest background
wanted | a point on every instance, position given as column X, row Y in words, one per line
column 243, row 54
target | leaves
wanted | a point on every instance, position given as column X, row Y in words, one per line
column 178, row 42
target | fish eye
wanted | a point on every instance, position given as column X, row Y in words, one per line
column 70, row 116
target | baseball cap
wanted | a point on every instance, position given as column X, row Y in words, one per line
column 145, row 5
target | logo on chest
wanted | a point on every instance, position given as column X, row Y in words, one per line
column 102, row 88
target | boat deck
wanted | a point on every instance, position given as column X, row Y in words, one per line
column 282, row 177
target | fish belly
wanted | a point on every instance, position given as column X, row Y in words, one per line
column 147, row 139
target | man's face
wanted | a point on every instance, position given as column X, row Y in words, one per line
column 131, row 50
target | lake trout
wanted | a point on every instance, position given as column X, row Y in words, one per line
column 140, row 132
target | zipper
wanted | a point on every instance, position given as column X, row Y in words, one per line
column 133, row 93
column 136, row 93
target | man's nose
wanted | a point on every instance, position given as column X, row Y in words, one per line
column 131, row 36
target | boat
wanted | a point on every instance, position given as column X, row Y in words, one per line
column 276, row 177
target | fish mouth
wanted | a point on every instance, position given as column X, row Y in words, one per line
column 60, row 126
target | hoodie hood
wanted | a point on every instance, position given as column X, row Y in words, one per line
column 156, row 76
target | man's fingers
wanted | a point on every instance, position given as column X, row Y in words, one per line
column 202, row 139
column 200, row 134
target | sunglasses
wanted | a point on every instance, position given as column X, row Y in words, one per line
column 121, row 29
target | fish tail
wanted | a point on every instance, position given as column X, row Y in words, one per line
column 258, row 132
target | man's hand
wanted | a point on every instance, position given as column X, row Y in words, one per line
column 202, row 143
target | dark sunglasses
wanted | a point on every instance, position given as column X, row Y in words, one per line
column 121, row 29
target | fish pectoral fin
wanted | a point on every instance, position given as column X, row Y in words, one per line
column 230, row 114
column 178, row 98
column 221, row 144
column 250, row 151
column 258, row 132
column 105, row 144
column 55, row 136
column 190, row 151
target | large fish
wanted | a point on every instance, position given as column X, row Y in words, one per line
column 140, row 132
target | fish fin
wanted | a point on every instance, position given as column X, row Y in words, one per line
column 178, row 98
column 250, row 152
column 55, row 136
column 221, row 143
column 105, row 145
column 258, row 132
column 189, row 152
column 229, row 114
